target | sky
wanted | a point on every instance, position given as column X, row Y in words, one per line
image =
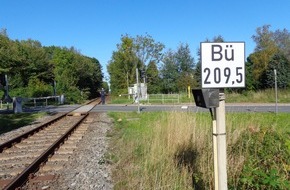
column 95, row 27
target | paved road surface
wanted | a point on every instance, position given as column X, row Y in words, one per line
column 148, row 108
column 229, row 108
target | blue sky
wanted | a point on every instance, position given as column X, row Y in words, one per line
column 95, row 26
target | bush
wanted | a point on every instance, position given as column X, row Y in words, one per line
column 37, row 88
column 266, row 160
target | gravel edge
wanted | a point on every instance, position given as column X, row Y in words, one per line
column 87, row 168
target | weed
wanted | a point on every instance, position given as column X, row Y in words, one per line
column 174, row 151
column 9, row 122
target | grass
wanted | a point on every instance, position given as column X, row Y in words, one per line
column 174, row 151
column 263, row 96
column 9, row 122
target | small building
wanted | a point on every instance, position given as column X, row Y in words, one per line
column 142, row 91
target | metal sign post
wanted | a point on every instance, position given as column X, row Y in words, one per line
column 222, row 66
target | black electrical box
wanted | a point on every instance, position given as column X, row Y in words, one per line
column 206, row 98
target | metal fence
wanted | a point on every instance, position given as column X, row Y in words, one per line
column 35, row 102
column 42, row 101
column 163, row 98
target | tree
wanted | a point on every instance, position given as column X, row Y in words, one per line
column 32, row 69
column 132, row 53
column 271, row 47
column 282, row 66
column 8, row 53
column 169, row 72
column 251, row 83
column 186, row 67
column 153, row 79
column 197, row 70
column 33, row 62
column 147, row 50
column 77, row 76
column 122, row 66
column 282, row 40
column 264, row 51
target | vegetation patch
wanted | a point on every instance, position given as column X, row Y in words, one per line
column 9, row 122
column 171, row 150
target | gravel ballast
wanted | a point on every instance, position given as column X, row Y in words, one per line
column 86, row 169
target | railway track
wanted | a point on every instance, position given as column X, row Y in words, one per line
column 31, row 159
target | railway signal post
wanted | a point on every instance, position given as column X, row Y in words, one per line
column 222, row 66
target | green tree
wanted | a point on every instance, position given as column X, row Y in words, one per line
column 32, row 69
column 282, row 40
column 132, row 53
column 264, row 51
column 33, row 62
column 186, row 67
column 8, row 53
column 197, row 70
column 147, row 50
column 77, row 76
column 95, row 80
column 271, row 47
column 153, row 79
column 37, row 88
column 282, row 66
column 169, row 73
column 251, row 83
column 122, row 66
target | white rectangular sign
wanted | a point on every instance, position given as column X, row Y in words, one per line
column 223, row 65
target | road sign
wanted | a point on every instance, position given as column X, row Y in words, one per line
column 223, row 65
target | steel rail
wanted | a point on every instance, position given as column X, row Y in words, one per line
column 34, row 166
column 17, row 139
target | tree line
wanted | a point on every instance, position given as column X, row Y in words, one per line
column 34, row 70
column 172, row 71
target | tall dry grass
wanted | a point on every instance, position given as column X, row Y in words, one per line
column 174, row 153
column 174, row 150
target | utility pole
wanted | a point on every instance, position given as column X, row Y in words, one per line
column 276, row 92
column 138, row 99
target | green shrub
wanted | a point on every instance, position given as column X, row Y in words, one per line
column 37, row 88
column 267, row 160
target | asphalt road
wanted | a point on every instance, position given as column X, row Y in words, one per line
column 193, row 108
column 150, row 108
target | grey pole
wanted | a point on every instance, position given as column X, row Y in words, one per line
column 7, row 84
column 221, row 143
column 276, row 91
column 7, row 91
column 137, row 79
